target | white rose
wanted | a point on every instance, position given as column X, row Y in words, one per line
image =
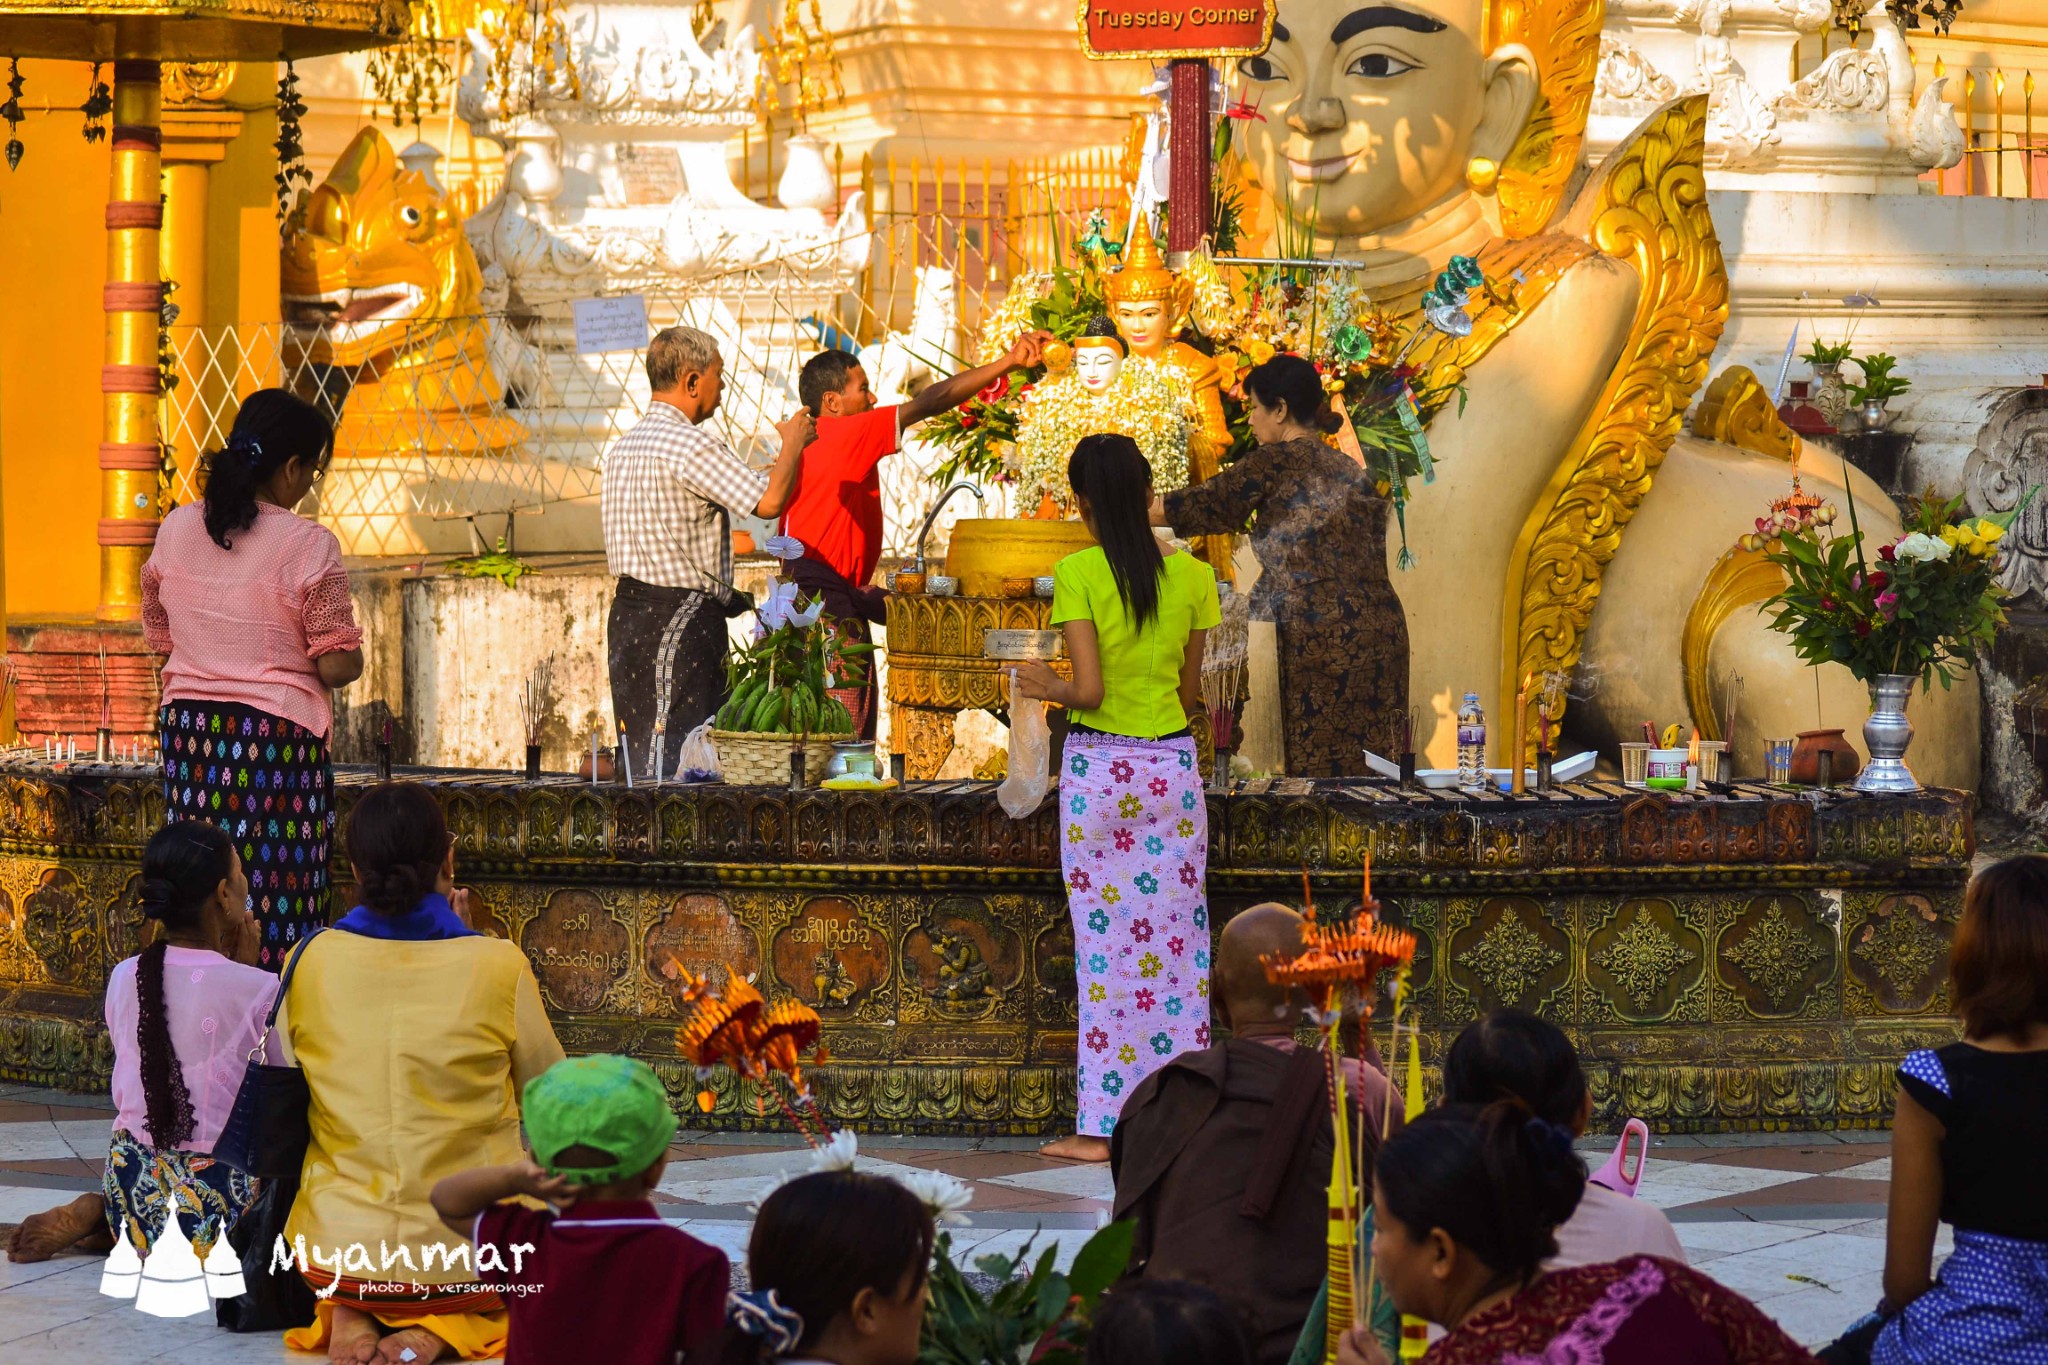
column 1920, row 545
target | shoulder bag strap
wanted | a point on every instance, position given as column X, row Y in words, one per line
column 284, row 983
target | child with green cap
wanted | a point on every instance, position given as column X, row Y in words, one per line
column 601, row 1275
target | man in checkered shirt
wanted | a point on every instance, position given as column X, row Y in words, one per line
column 670, row 488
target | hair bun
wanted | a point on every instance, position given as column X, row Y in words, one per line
column 156, row 896
column 1332, row 423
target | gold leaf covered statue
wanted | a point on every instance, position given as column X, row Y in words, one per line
column 1572, row 523
column 1148, row 303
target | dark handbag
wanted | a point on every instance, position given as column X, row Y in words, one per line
column 277, row 1297
column 266, row 1132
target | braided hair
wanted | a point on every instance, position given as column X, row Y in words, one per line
column 272, row 428
column 182, row 868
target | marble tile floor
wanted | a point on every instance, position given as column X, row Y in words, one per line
column 1793, row 1220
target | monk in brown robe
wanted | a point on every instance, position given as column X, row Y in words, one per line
column 1223, row 1156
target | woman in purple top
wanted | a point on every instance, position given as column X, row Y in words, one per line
column 183, row 1015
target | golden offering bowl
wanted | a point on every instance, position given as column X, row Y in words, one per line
column 907, row 582
column 1018, row 587
column 985, row 552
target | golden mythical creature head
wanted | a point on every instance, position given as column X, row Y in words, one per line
column 380, row 249
column 1145, row 298
column 1374, row 114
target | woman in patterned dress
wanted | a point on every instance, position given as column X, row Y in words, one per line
column 250, row 601
column 1319, row 529
column 1135, row 850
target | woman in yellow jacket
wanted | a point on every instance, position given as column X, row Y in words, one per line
column 416, row 1034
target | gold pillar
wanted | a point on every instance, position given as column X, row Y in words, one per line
column 133, row 297
column 198, row 125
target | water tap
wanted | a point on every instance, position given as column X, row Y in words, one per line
column 933, row 515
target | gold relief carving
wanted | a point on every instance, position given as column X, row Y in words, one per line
column 1734, row 1091
column 983, row 1090
column 60, row 925
column 1052, row 955
column 196, row 82
column 924, row 738
column 938, row 1096
column 1902, row 946
column 848, row 1091
column 1643, row 959
column 1735, row 409
column 1032, row 1092
column 1510, row 959
column 123, row 919
column 831, row 956
column 1650, row 209
column 463, row 824
column 1775, row 955
column 586, row 827
column 1692, row 1093
column 1863, row 1087
column 963, row 961
column 579, row 952
column 543, row 825
column 700, row 935
column 895, row 1095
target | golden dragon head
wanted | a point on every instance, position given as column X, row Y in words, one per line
column 378, row 251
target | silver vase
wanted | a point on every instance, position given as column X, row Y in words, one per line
column 1873, row 415
column 1886, row 734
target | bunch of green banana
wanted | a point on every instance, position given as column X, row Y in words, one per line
column 789, row 708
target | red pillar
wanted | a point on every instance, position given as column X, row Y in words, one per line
column 1187, row 221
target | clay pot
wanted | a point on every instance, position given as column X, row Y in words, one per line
column 743, row 543
column 1806, row 757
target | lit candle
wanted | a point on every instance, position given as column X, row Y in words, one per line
column 1368, row 876
column 1692, row 763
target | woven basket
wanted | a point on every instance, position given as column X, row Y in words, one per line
column 757, row 758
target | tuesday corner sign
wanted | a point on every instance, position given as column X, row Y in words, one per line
column 1163, row 29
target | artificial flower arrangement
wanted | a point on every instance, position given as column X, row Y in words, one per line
column 1925, row 604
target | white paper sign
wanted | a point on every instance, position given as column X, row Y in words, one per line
column 613, row 324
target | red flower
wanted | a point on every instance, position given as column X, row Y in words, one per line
column 996, row 392
column 1175, row 945
column 1145, row 1000
column 1201, row 1035
column 1887, row 553
column 1141, row 930
column 1827, row 604
column 968, row 421
column 1879, row 578
column 1862, row 629
column 1098, row 1041
column 1124, row 841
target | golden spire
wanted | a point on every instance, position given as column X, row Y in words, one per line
column 1144, row 277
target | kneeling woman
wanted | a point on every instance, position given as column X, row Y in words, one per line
column 1467, row 1202
column 416, row 1034
column 1136, row 847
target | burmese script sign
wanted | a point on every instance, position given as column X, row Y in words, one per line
column 1163, row 29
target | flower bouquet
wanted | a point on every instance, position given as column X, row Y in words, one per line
column 1920, row 607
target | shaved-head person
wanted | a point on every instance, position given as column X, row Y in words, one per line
column 1223, row 1156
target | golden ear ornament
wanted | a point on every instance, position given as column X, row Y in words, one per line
column 1482, row 174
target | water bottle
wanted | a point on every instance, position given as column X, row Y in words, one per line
column 1471, row 744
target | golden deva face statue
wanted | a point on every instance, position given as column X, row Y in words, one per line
column 1376, row 114
column 1146, row 300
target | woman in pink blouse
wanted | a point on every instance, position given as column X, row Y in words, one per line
column 182, row 1016
column 250, row 601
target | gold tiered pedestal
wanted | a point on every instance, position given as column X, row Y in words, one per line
column 936, row 666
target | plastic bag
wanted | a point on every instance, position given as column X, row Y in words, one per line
column 697, row 761
column 1030, row 757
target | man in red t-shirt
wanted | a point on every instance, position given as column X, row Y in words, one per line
column 837, row 509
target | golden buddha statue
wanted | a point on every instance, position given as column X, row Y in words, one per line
column 1100, row 388
column 1399, row 137
column 1148, row 302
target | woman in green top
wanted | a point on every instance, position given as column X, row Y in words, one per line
column 1136, row 827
